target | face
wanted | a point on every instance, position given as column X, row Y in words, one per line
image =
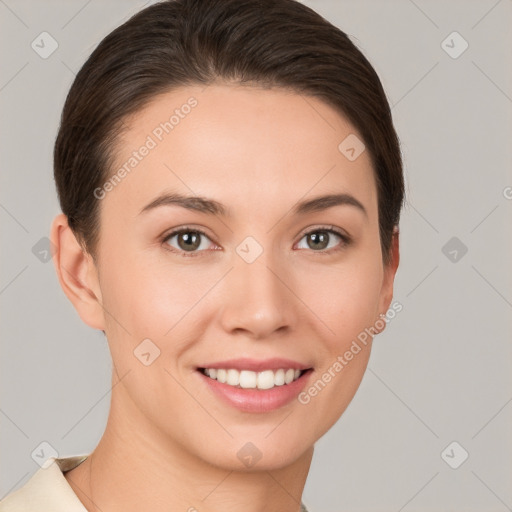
column 257, row 275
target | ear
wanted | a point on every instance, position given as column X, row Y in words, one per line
column 77, row 273
column 390, row 268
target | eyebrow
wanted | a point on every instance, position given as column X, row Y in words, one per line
column 324, row 202
column 212, row 207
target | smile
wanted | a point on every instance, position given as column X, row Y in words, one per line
column 247, row 379
column 255, row 391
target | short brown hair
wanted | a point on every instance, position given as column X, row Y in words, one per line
column 275, row 43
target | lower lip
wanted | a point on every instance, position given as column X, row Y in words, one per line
column 257, row 400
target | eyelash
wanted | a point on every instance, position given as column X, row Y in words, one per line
column 346, row 240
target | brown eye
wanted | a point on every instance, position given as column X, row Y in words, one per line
column 318, row 240
column 187, row 240
column 322, row 240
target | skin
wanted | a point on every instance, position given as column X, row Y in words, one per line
column 169, row 442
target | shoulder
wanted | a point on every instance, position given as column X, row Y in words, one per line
column 47, row 489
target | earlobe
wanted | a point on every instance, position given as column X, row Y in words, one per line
column 77, row 273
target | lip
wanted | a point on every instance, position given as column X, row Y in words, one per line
column 256, row 365
column 256, row 400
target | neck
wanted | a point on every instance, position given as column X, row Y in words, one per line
column 135, row 467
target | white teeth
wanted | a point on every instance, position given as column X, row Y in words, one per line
column 221, row 375
column 279, row 378
column 266, row 379
column 233, row 378
column 247, row 379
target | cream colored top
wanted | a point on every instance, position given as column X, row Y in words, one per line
column 48, row 491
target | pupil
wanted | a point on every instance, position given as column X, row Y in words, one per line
column 319, row 238
column 190, row 241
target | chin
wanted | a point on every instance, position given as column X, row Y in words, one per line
column 249, row 453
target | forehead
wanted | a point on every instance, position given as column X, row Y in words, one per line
column 248, row 147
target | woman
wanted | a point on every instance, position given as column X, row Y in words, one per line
column 231, row 185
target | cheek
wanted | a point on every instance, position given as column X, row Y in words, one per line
column 158, row 299
column 344, row 299
column 137, row 288
column 347, row 303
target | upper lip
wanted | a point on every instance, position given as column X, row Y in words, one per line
column 256, row 365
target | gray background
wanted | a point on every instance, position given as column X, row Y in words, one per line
column 441, row 372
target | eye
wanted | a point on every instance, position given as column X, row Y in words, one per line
column 320, row 239
column 191, row 241
column 187, row 240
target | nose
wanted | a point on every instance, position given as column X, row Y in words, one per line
column 257, row 300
